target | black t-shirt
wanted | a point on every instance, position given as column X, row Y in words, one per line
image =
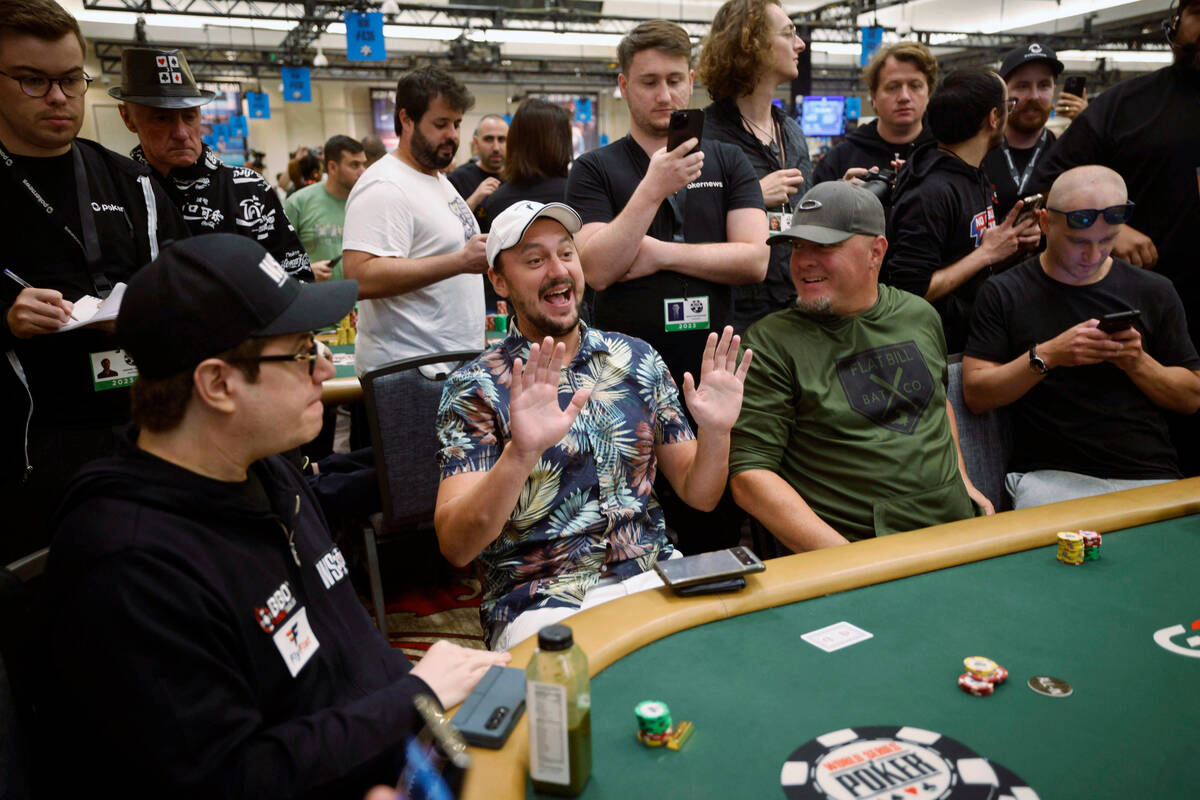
column 996, row 166
column 1148, row 130
column 545, row 190
column 466, row 179
column 601, row 184
column 1090, row 419
column 57, row 367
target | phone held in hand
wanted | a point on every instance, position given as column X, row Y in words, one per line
column 492, row 710
column 1075, row 85
column 1031, row 205
column 1119, row 321
column 686, row 123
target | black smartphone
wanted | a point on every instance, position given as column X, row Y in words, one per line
column 1075, row 85
column 708, row 567
column 333, row 262
column 1119, row 321
column 1031, row 204
column 712, row 587
column 686, row 123
column 491, row 711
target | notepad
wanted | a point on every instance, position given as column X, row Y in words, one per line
column 90, row 310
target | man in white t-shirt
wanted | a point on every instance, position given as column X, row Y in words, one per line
column 410, row 240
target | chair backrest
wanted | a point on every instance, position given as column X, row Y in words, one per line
column 402, row 401
column 985, row 439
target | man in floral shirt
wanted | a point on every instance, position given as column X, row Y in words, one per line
column 548, row 470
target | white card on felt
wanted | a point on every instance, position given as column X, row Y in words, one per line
column 836, row 636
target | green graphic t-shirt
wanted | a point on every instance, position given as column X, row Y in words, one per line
column 851, row 412
column 319, row 218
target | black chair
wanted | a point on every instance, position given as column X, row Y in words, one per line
column 20, row 765
column 401, row 401
column 985, row 440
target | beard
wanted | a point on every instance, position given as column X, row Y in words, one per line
column 426, row 154
column 821, row 307
column 1019, row 118
column 1187, row 57
column 537, row 320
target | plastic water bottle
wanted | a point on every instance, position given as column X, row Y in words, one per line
column 558, row 700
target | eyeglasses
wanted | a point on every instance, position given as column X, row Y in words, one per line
column 310, row 354
column 1082, row 218
column 789, row 32
column 39, row 85
column 1012, row 103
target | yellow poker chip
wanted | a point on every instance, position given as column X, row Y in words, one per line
column 980, row 665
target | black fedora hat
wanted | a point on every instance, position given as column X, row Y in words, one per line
column 159, row 78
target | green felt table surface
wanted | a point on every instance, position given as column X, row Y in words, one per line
column 756, row 691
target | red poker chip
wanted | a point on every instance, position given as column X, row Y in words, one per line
column 975, row 686
column 999, row 676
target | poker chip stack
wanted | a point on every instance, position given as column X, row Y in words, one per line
column 1091, row 545
column 654, row 722
column 982, row 677
column 1071, row 547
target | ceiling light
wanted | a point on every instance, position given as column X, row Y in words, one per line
column 319, row 60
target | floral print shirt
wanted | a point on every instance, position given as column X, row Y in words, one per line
column 588, row 509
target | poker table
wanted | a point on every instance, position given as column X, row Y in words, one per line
column 735, row 665
column 344, row 386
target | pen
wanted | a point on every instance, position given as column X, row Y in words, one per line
column 27, row 285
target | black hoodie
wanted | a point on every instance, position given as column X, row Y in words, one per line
column 942, row 206
column 173, row 603
column 864, row 147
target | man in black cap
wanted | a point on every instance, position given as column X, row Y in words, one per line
column 1030, row 72
column 78, row 220
column 237, row 659
column 1146, row 130
column 845, row 431
column 160, row 102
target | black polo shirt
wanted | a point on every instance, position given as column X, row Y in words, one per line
column 600, row 185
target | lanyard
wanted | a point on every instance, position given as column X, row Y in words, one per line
column 1021, row 180
column 90, row 244
column 678, row 203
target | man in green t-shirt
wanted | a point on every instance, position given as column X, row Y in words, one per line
column 845, row 431
column 318, row 212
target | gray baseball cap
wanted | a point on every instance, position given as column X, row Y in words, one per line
column 832, row 212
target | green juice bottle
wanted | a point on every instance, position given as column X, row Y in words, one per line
column 558, row 703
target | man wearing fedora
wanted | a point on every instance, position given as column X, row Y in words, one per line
column 845, row 431
column 160, row 102
column 78, row 219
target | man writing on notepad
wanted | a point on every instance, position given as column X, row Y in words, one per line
column 79, row 219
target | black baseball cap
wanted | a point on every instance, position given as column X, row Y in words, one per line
column 1034, row 51
column 204, row 295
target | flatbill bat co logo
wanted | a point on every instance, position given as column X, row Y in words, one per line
column 891, row 386
column 1164, row 639
column 895, row 763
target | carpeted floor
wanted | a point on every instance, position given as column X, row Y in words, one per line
column 444, row 608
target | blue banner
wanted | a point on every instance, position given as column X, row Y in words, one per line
column 259, row 105
column 853, row 108
column 364, row 36
column 237, row 125
column 220, row 130
column 583, row 109
column 872, row 38
column 297, row 84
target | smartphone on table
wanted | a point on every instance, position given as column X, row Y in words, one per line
column 719, row 565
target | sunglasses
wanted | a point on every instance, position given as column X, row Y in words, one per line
column 1084, row 217
column 310, row 354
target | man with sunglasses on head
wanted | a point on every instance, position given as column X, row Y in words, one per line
column 237, row 660
column 1086, row 404
column 78, row 220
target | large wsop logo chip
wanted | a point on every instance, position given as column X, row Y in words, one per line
column 895, row 763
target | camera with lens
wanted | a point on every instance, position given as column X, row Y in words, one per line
column 881, row 184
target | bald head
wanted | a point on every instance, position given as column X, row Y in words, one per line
column 1087, row 187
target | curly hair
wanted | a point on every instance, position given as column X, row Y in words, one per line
column 737, row 50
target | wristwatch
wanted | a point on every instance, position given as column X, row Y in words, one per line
column 1036, row 363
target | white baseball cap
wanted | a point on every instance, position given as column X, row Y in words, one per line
column 509, row 227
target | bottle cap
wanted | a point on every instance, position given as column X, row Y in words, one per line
column 555, row 637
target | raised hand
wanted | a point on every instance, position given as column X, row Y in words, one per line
column 535, row 420
column 716, row 403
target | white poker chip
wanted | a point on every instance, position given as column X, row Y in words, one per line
column 881, row 762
